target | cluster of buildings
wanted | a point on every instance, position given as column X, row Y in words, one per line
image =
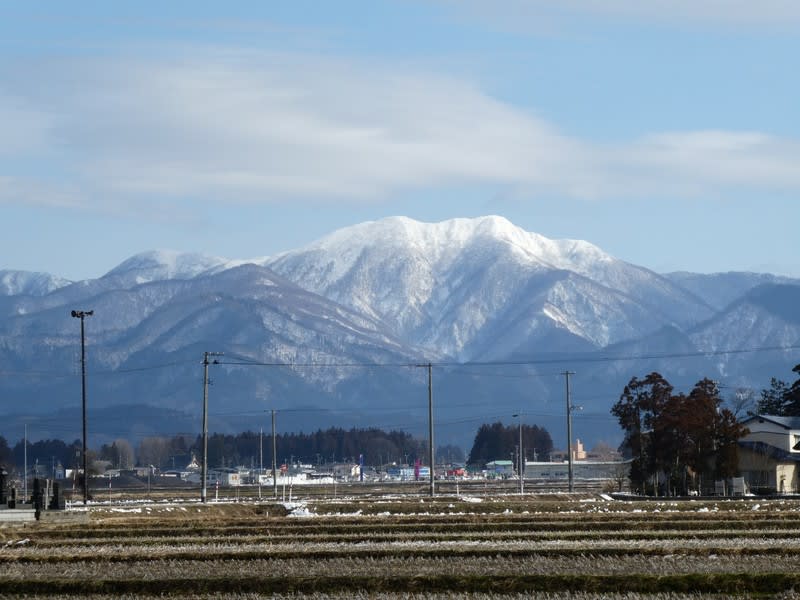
column 769, row 463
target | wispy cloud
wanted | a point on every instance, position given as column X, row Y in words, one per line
column 545, row 15
column 740, row 12
column 238, row 127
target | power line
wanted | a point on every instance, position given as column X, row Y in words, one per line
column 526, row 362
column 458, row 367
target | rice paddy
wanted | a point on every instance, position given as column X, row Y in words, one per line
column 548, row 546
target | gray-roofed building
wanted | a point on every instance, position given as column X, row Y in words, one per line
column 769, row 455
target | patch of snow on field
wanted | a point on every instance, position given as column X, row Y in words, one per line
column 471, row 499
column 298, row 509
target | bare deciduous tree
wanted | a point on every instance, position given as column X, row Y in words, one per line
column 154, row 451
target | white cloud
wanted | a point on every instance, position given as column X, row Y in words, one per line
column 272, row 128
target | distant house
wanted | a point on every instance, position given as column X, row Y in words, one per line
column 769, row 455
column 610, row 470
column 400, row 473
column 500, row 468
column 578, row 453
column 225, row 477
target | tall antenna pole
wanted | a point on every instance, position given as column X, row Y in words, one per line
column 82, row 314
column 204, row 471
column 569, row 432
column 430, row 428
column 274, row 459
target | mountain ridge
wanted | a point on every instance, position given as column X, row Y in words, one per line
column 336, row 327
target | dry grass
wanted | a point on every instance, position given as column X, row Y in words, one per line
column 411, row 548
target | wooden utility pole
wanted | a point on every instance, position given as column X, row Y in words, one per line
column 274, row 459
column 569, row 432
column 204, row 471
column 431, row 456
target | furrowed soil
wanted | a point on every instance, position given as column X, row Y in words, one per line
column 545, row 546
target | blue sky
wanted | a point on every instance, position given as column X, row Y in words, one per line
column 667, row 133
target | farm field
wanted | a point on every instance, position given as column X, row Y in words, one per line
column 394, row 546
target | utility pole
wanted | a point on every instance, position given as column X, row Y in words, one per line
column 25, row 468
column 521, row 462
column 431, row 456
column 569, row 432
column 204, row 471
column 82, row 314
column 274, row 459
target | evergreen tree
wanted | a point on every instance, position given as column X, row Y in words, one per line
column 781, row 399
column 791, row 397
column 728, row 433
column 641, row 401
column 772, row 400
column 6, row 456
column 498, row 442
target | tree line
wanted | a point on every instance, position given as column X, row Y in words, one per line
column 248, row 448
column 675, row 441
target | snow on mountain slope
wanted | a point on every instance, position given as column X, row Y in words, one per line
column 720, row 289
column 122, row 317
column 157, row 265
column 446, row 285
column 26, row 283
column 395, row 292
column 765, row 318
column 249, row 312
column 164, row 303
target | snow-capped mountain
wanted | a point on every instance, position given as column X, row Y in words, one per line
column 146, row 344
column 27, row 283
column 158, row 265
column 456, row 286
column 765, row 317
column 399, row 293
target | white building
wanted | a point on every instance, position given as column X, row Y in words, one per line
column 769, row 454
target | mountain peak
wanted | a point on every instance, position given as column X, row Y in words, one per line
column 13, row 283
column 454, row 285
column 161, row 264
column 438, row 241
